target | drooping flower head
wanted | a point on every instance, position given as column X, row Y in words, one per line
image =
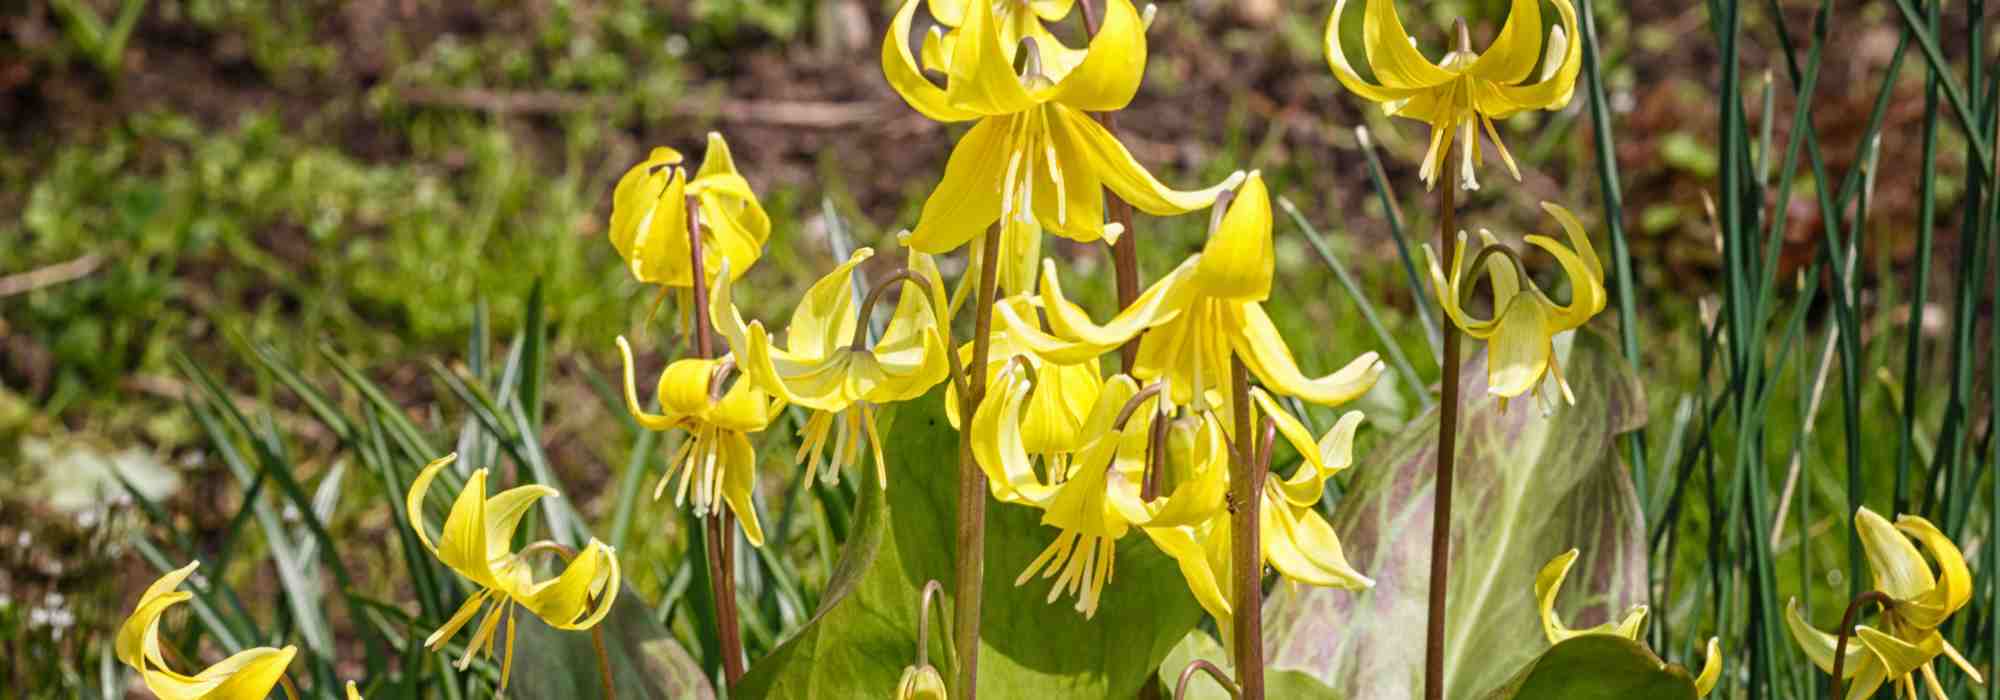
column 829, row 366
column 1059, row 401
column 1035, row 158
column 716, row 463
column 1196, row 318
column 1467, row 90
column 476, row 542
column 1525, row 321
column 1906, row 640
column 247, row 675
column 649, row 217
column 1550, row 580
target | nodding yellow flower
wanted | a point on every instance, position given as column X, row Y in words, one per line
column 1525, row 320
column 1466, row 88
column 828, row 365
column 1060, row 397
column 716, row 462
column 475, row 541
column 1296, row 540
column 1550, row 580
column 1035, row 157
column 1196, row 318
column 248, row 675
column 649, row 217
column 1907, row 640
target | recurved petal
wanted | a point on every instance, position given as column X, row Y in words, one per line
column 1899, row 657
column 739, row 478
column 1303, row 547
column 1391, row 53
column 1238, row 260
column 1336, row 58
column 1954, row 579
column 1711, row 669
column 582, row 594
column 650, row 421
column 1819, row 646
column 967, row 200
column 504, row 512
column 904, row 75
column 1499, row 101
column 997, row 446
column 1547, row 584
column 1512, row 55
column 132, row 642
column 1518, row 353
column 717, row 164
column 1900, row 570
column 1305, row 486
column 825, row 318
column 1109, row 75
column 1081, row 142
column 247, row 675
column 1264, row 351
column 1158, row 304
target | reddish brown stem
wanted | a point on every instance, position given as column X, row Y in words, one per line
column 1847, row 629
column 1246, row 549
column 1447, row 454
column 1125, row 252
column 972, row 484
column 720, row 544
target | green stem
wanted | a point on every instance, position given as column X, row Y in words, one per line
column 972, row 484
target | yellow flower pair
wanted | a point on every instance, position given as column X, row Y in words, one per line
column 1906, row 643
column 649, row 217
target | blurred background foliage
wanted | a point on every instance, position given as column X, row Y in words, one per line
column 309, row 180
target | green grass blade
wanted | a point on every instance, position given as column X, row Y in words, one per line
column 1419, row 291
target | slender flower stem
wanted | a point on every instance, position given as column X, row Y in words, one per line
column 720, row 568
column 1125, row 251
column 1447, row 452
column 291, row 691
column 1246, row 549
column 1847, row 629
column 1203, row 665
column 972, row 483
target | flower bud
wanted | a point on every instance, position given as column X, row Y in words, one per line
column 920, row 683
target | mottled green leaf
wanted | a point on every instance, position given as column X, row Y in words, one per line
column 646, row 661
column 865, row 631
column 1278, row 683
column 1598, row 667
column 1528, row 487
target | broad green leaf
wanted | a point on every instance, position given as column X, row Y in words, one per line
column 646, row 662
column 865, row 630
column 1278, row 683
column 1528, row 487
column 1598, row 667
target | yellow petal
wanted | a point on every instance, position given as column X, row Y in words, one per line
column 739, row 476
column 1819, row 646
column 462, row 543
column 458, row 620
column 825, row 317
column 352, row 694
column 1336, row 58
column 1110, row 72
column 1512, row 55
column 1954, row 579
column 1302, row 546
column 1711, row 669
column 950, row 13
column 1547, row 583
column 649, row 421
column 1391, row 54
column 982, row 77
column 504, row 512
column 1449, row 289
column 247, row 675
column 1899, row 657
column 1081, row 142
column 1264, row 351
column 1518, row 353
column 900, row 67
column 582, row 594
column 1585, row 270
column 143, row 624
column 1900, row 570
column 1238, row 261
column 1202, row 579
column 967, row 200
column 998, row 448
column 1499, row 101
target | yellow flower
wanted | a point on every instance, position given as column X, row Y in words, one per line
column 1035, row 156
column 248, row 675
column 352, row 694
column 1550, row 580
column 1525, row 322
column 920, row 683
column 649, row 217
column 1466, row 87
column 474, row 543
column 1921, row 598
column 827, row 364
column 1015, row 20
column 1196, row 318
column 1296, row 541
column 716, row 462
column 1059, row 400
